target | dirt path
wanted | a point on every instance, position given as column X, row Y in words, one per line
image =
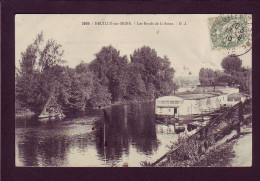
column 243, row 151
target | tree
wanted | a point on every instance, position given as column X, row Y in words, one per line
column 164, row 77
column 51, row 55
column 100, row 95
column 154, row 70
column 82, row 67
column 225, row 79
column 39, row 74
column 110, row 67
column 231, row 64
column 29, row 57
column 135, row 89
column 207, row 76
column 149, row 59
column 27, row 91
column 175, row 88
column 78, row 84
column 241, row 79
column 77, row 98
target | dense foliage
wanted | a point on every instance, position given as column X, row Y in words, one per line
column 231, row 64
column 233, row 75
column 109, row 78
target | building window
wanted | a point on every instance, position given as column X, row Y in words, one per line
column 234, row 99
column 237, row 98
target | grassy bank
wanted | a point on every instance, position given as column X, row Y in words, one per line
column 221, row 156
column 216, row 156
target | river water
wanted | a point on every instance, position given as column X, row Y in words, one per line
column 132, row 136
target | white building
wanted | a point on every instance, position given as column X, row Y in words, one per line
column 233, row 99
column 191, row 104
column 168, row 106
column 186, row 104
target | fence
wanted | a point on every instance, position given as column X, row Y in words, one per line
column 205, row 137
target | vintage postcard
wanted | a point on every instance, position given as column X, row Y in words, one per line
column 133, row 90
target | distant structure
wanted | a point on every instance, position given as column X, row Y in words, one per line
column 234, row 98
column 197, row 103
column 51, row 109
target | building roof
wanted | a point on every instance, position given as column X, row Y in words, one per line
column 238, row 95
column 169, row 98
column 196, row 96
column 223, row 89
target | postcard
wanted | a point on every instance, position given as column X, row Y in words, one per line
column 133, row 90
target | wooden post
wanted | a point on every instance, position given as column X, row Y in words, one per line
column 191, row 110
column 104, row 134
column 240, row 117
column 105, row 143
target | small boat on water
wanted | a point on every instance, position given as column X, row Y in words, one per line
column 51, row 110
column 58, row 115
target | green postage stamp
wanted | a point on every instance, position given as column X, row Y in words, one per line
column 231, row 33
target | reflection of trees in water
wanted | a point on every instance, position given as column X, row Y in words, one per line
column 27, row 150
column 133, row 122
column 116, row 135
column 37, row 150
column 27, row 122
column 142, row 127
column 49, row 147
column 52, row 151
column 48, row 143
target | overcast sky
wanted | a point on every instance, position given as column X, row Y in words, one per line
column 185, row 45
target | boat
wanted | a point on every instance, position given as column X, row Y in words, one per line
column 58, row 115
column 51, row 110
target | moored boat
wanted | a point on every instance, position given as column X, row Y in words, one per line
column 51, row 110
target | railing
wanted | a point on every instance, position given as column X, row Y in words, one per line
column 207, row 136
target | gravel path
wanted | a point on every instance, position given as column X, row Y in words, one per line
column 243, row 152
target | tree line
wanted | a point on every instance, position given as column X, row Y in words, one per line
column 109, row 78
column 233, row 74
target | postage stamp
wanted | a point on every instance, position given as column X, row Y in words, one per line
column 231, row 33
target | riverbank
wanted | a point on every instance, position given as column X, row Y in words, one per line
column 122, row 103
column 28, row 113
column 234, row 151
column 243, row 151
column 220, row 156
column 22, row 114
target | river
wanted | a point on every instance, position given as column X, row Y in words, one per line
column 132, row 136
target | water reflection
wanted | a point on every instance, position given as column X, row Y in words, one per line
column 132, row 136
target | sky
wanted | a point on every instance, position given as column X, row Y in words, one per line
column 187, row 45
